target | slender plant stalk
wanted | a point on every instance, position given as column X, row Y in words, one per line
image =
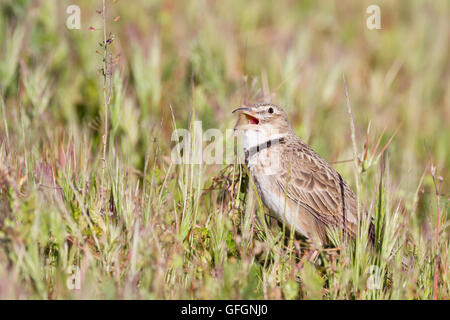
column 437, row 187
column 2, row 101
column 355, row 148
column 355, row 171
column 106, row 92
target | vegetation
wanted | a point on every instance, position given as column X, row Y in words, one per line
column 88, row 188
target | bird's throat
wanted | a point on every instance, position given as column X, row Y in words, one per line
column 255, row 138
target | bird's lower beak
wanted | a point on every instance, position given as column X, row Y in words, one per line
column 248, row 113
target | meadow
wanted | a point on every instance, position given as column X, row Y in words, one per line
column 93, row 207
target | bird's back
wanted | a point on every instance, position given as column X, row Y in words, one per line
column 312, row 190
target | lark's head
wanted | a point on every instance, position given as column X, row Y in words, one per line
column 263, row 117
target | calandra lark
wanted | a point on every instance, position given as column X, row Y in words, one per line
column 299, row 187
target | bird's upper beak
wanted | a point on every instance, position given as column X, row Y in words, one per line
column 252, row 118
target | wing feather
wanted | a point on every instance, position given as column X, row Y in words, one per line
column 312, row 183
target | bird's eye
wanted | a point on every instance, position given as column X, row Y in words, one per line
column 270, row 110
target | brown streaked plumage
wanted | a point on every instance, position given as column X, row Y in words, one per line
column 293, row 181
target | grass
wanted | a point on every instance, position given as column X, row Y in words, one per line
column 134, row 225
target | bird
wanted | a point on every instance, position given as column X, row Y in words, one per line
column 299, row 187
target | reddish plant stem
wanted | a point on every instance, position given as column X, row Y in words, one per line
column 438, row 204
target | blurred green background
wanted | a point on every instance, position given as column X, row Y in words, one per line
column 217, row 54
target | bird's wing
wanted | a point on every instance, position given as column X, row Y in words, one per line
column 313, row 184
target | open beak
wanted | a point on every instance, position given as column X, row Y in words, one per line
column 251, row 117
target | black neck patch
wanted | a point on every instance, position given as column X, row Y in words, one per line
column 265, row 145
